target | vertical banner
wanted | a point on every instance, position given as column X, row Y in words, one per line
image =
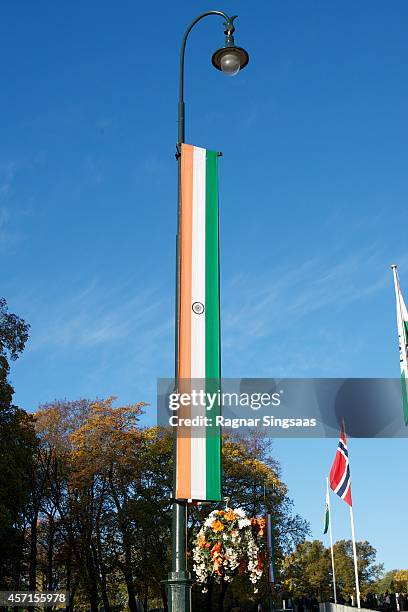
column 198, row 460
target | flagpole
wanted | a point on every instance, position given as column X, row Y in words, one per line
column 353, row 537
column 331, row 540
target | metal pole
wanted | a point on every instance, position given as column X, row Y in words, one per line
column 269, row 537
column 353, row 538
column 331, row 541
column 179, row 581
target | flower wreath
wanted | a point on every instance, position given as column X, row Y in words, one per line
column 229, row 543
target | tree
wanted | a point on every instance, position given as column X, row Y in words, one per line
column 13, row 337
column 307, row 570
column 104, row 506
column 385, row 583
column 108, row 477
column 13, row 332
column 368, row 569
column 17, row 445
column 401, row 581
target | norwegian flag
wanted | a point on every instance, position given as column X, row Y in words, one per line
column 340, row 471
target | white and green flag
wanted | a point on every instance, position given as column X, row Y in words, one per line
column 327, row 512
column 402, row 322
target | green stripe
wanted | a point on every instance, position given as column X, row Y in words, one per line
column 404, row 397
column 212, row 325
column 326, row 520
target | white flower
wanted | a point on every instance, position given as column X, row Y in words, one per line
column 244, row 522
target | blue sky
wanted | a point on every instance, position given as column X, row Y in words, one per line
column 313, row 192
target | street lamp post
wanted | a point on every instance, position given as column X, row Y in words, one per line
column 230, row 59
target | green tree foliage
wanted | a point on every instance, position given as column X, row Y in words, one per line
column 17, row 445
column 307, row 570
column 385, row 584
column 394, row 581
column 13, row 337
column 13, row 332
column 368, row 569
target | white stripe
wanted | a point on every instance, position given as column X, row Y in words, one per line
column 346, row 491
column 404, row 311
column 341, row 451
column 337, row 489
column 401, row 316
column 198, row 440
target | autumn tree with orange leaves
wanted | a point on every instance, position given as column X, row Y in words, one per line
column 104, row 474
column 99, row 517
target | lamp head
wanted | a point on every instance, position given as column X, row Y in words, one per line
column 230, row 59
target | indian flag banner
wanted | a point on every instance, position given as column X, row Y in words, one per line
column 402, row 322
column 198, row 448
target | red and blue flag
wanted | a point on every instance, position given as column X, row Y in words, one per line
column 340, row 471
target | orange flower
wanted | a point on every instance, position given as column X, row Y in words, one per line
column 221, row 512
column 253, row 521
column 230, row 515
column 261, row 523
column 216, row 558
column 201, row 542
column 217, row 526
column 217, row 565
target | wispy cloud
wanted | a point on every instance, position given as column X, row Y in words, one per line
column 97, row 316
column 280, row 305
column 4, row 216
column 8, row 234
column 7, row 172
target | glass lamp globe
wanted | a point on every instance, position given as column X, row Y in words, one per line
column 230, row 63
column 230, row 59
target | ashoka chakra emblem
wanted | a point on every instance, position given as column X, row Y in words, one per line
column 198, row 308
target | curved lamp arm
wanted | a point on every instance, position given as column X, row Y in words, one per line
column 229, row 30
